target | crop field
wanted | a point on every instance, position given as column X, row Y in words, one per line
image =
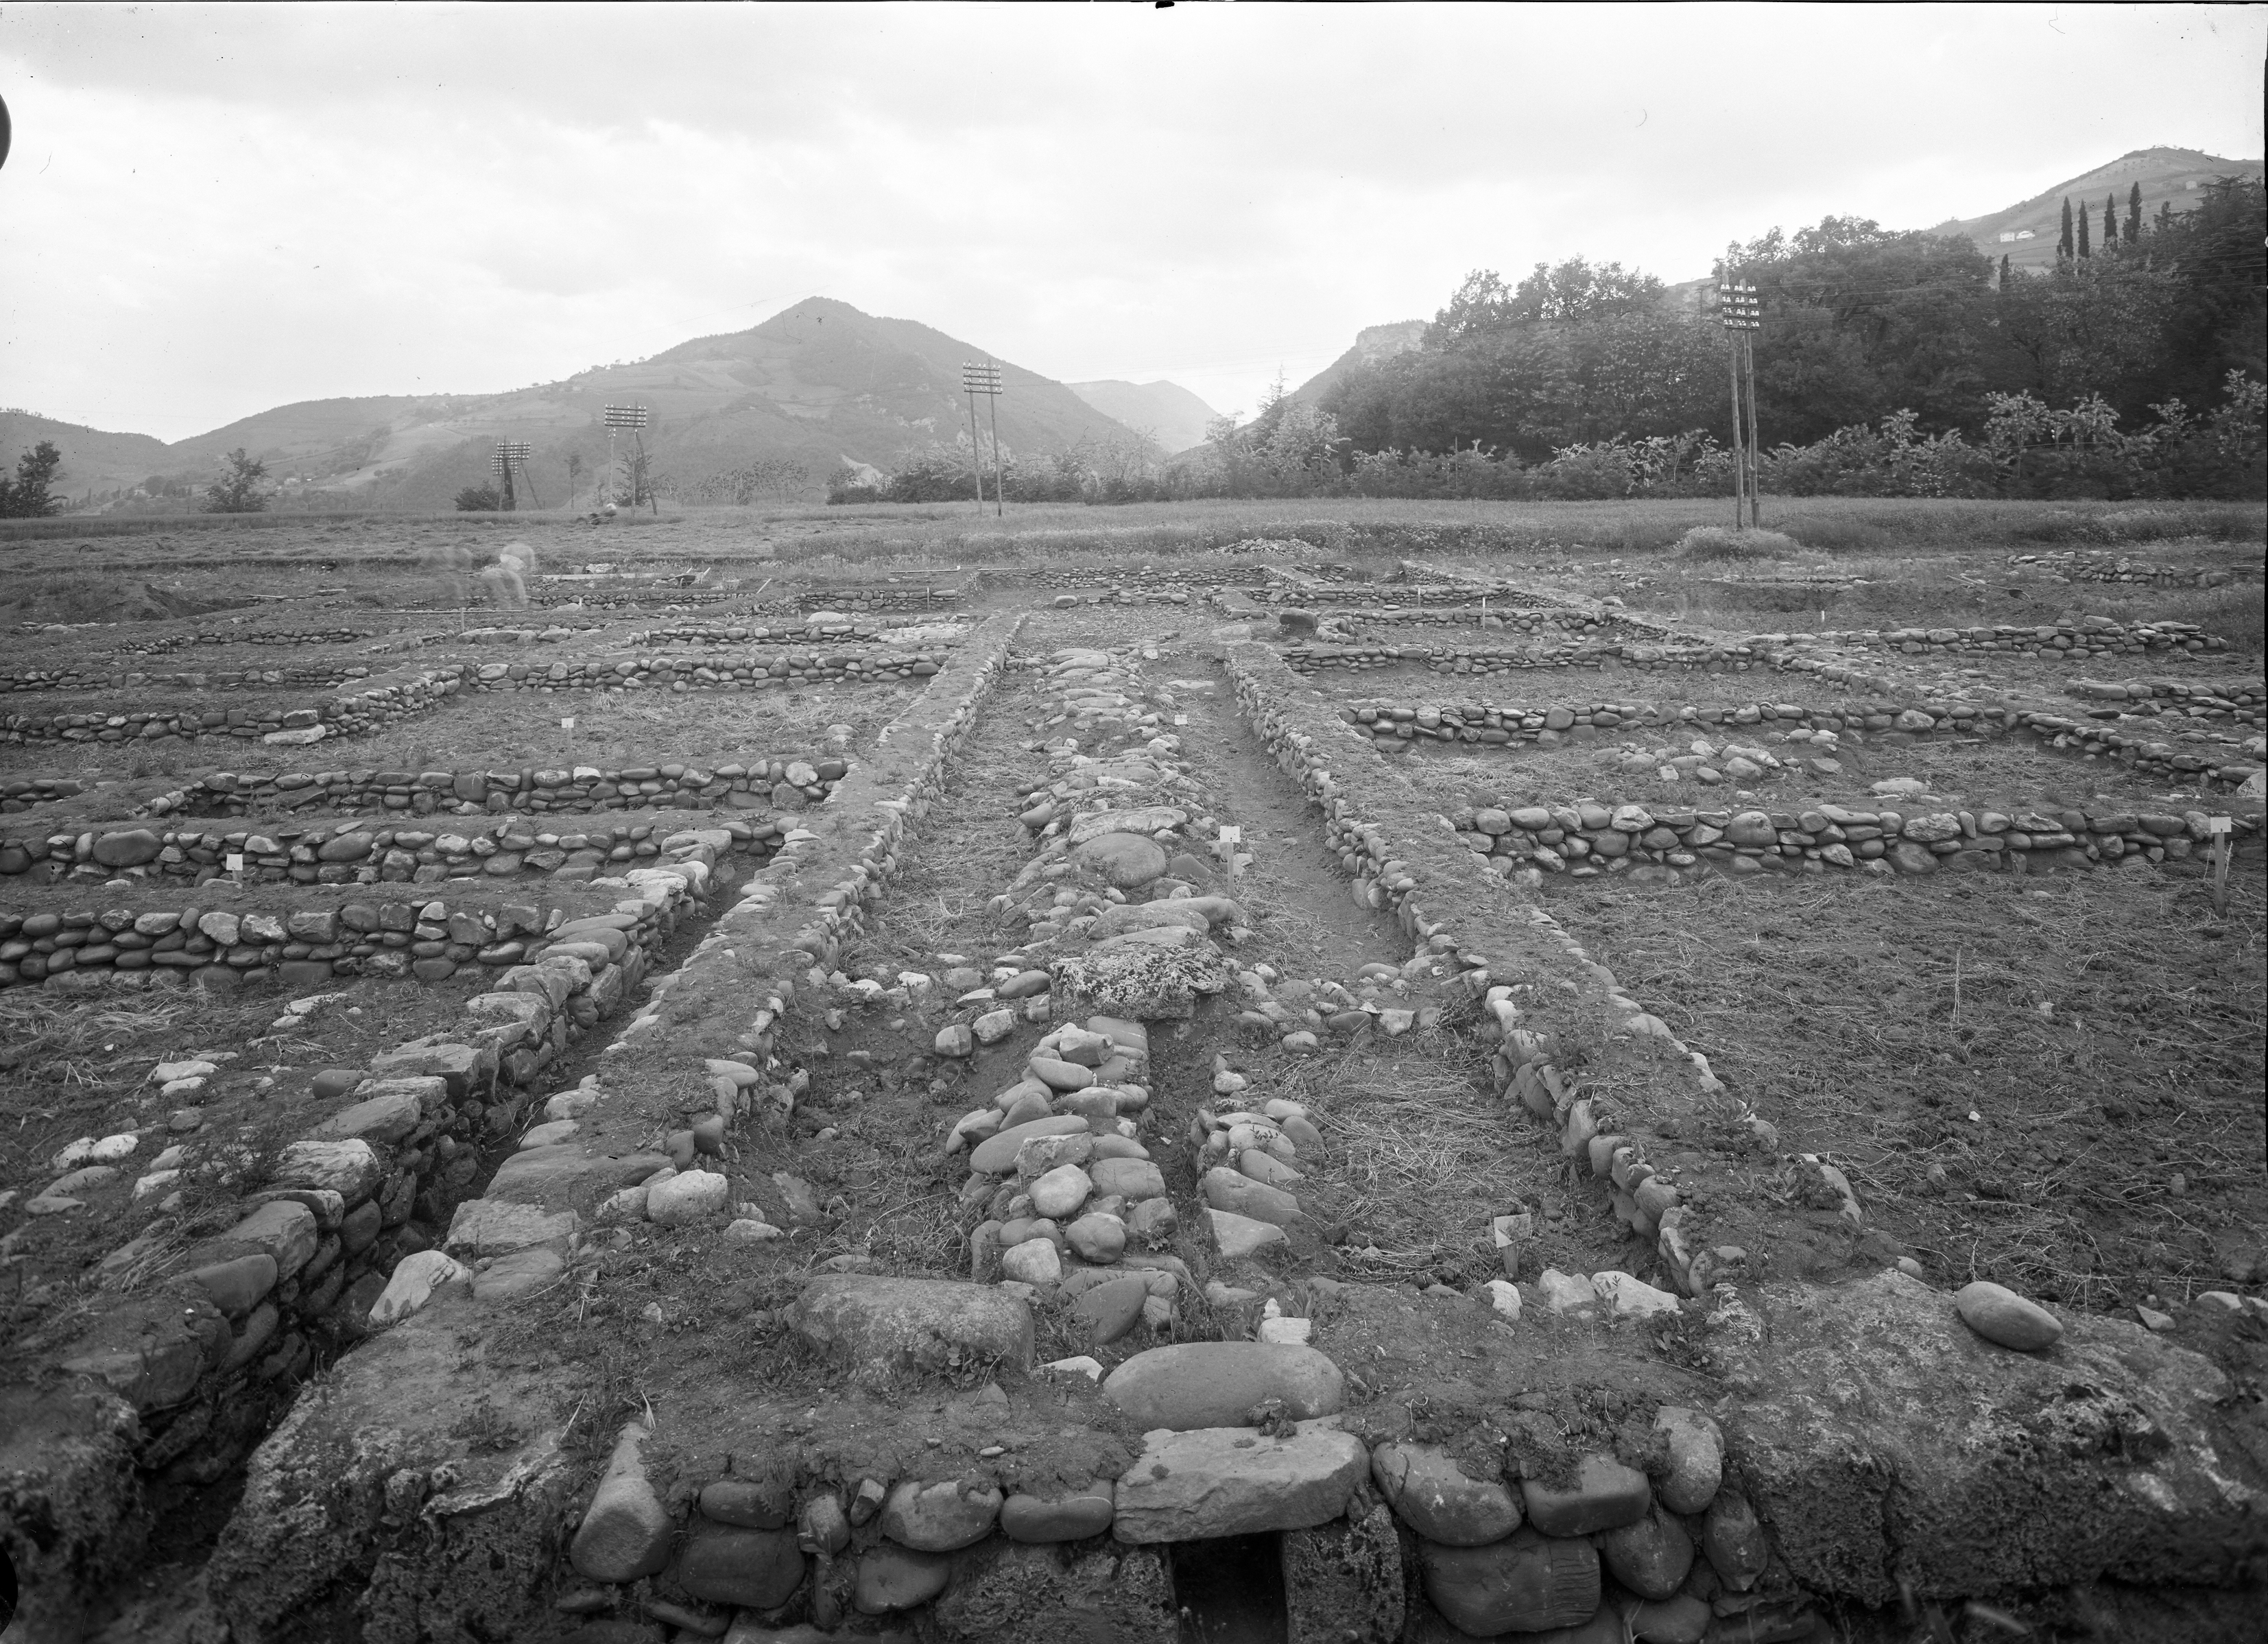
column 846, row 1149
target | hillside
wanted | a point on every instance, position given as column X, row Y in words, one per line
column 93, row 459
column 819, row 382
column 2027, row 234
column 2164, row 173
column 1173, row 416
column 1372, row 345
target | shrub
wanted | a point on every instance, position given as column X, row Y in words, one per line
column 1714, row 541
column 479, row 499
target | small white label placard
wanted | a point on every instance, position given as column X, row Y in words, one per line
column 567, row 724
column 235, row 863
column 1230, row 835
column 2217, row 824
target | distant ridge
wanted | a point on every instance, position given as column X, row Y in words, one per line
column 1174, row 417
column 2027, row 234
column 820, row 383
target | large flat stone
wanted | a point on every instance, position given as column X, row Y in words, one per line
column 885, row 1325
column 1235, row 1481
column 554, row 1173
column 996, row 1154
column 1143, row 983
column 1147, row 820
column 1879, row 1436
column 352, row 1169
column 1217, row 1383
column 489, row 1226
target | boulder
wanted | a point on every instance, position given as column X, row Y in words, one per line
column 1999, row 1315
column 886, row 1326
column 1696, row 1459
column 130, row 848
column 941, row 1516
column 1127, row 860
column 1526, row 1583
column 1200, row 1483
column 1071, row 1516
column 1602, row 1494
column 625, row 1533
column 1976, row 1498
column 1435, row 1497
column 757, row 1569
column 1217, row 1383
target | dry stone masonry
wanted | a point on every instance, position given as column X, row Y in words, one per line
column 361, row 852
column 1691, row 1451
column 2214, row 754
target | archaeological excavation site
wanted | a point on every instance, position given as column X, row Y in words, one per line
column 1282, row 1082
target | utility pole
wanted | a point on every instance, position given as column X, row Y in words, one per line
column 511, row 454
column 1741, row 311
column 984, row 380
column 634, row 417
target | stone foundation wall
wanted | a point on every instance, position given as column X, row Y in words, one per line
column 756, row 633
column 1480, row 658
column 348, row 714
column 772, row 783
column 2221, row 762
column 796, row 667
column 361, row 853
column 718, row 1021
column 323, row 675
column 1588, row 839
column 331, row 1225
column 2078, row 567
column 2088, row 637
column 944, row 595
column 24, row 794
column 293, row 945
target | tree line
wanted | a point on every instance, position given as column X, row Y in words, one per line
column 2146, row 328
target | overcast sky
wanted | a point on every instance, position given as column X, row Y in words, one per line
column 213, row 210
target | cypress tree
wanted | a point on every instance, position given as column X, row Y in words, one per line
column 2110, row 222
column 2063, row 244
column 2004, row 272
column 2085, row 219
column 2134, row 214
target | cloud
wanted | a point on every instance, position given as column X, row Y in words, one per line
column 211, row 210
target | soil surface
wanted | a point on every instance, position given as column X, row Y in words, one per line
column 2054, row 1084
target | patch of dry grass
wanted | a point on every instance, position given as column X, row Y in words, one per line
column 1428, row 1156
column 2104, row 1030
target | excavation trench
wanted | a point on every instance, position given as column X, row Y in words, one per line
column 1322, row 1427
column 189, row 1488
